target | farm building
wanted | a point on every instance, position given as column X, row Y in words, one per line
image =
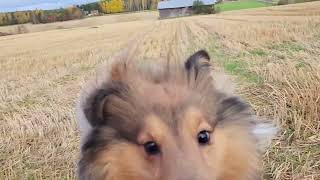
column 174, row 8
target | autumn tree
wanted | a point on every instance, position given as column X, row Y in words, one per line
column 37, row 16
column 21, row 17
column 112, row 6
column 138, row 5
column 153, row 4
column 9, row 18
column 74, row 12
column 2, row 19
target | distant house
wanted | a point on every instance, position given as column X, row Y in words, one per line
column 93, row 13
column 174, row 8
column 85, row 12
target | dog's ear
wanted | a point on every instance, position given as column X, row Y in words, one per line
column 95, row 95
column 233, row 109
column 197, row 63
column 94, row 109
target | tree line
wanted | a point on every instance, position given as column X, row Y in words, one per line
column 114, row 6
column 40, row 16
column 75, row 12
column 139, row 5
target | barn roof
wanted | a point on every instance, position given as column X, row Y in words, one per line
column 181, row 3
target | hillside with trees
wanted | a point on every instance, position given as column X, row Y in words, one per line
column 40, row 16
column 129, row 5
column 76, row 12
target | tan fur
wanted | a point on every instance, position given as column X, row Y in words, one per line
column 194, row 122
column 154, row 129
column 169, row 105
column 232, row 155
column 123, row 162
column 235, row 154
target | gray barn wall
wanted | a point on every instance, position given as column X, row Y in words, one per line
column 166, row 13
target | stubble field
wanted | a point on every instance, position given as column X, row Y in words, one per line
column 271, row 53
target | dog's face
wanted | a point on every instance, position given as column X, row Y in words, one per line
column 168, row 124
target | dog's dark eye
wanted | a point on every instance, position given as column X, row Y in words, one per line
column 204, row 137
column 151, row 148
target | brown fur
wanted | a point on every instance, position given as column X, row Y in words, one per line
column 169, row 105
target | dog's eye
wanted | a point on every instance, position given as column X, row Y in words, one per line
column 204, row 137
column 151, row 148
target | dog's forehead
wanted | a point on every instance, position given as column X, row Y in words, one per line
column 166, row 93
column 171, row 104
column 157, row 128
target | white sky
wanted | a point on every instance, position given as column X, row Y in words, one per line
column 19, row 5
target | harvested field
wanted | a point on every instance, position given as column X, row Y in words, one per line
column 271, row 53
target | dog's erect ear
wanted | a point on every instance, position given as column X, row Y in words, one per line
column 94, row 108
column 95, row 94
column 197, row 63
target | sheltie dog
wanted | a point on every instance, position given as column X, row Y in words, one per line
column 167, row 121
